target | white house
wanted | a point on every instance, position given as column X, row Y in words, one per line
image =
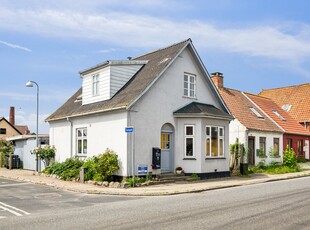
column 168, row 98
column 260, row 135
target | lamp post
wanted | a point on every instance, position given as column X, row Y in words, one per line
column 30, row 84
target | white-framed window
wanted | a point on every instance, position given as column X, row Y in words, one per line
column 95, row 84
column 81, row 141
column 189, row 140
column 189, row 85
column 215, row 141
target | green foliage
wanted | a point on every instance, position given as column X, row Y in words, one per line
column 90, row 171
column 273, row 168
column 261, row 153
column 47, row 154
column 105, row 164
column 97, row 168
column 6, row 147
column 289, row 157
column 194, row 176
column 273, row 153
column 138, row 180
column 68, row 170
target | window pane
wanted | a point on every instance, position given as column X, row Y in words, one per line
column 79, row 133
column 221, row 132
column 262, row 144
column 221, row 147
column 191, row 79
column 189, row 130
column 85, row 132
column 79, row 146
column 85, row 146
column 185, row 92
column 208, row 153
column 214, row 144
column 276, row 146
column 189, row 146
column 208, row 131
column 192, row 93
column 185, row 78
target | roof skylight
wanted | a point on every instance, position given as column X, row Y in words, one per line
column 256, row 113
column 286, row 107
column 278, row 114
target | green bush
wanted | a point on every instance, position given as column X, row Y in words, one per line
column 67, row 170
column 106, row 164
column 289, row 157
column 90, row 171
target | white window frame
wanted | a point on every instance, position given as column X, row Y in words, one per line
column 95, row 84
column 219, row 154
column 81, row 139
column 189, row 81
column 187, row 136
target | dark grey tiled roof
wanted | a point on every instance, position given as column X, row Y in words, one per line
column 201, row 109
column 157, row 61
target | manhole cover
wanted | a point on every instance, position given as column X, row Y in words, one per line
column 47, row 195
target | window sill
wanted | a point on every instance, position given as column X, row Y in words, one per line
column 191, row 159
column 194, row 98
column 215, row 158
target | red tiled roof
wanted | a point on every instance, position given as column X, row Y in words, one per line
column 298, row 96
column 23, row 129
column 287, row 122
column 239, row 105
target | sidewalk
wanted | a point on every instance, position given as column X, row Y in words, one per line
column 153, row 190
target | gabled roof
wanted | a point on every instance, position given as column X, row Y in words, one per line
column 200, row 109
column 13, row 127
column 239, row 105
column 296, row 98
column 283, row 119
column 136, row 87
column 23, row 129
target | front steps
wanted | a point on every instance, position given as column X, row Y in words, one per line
column 175, row 178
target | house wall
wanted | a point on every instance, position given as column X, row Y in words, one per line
column 295, row 139
column 9, row 130
column 237, row 131
column 156, row 108
column 105, row 130
column 269, row 144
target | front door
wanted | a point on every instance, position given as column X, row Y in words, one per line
column 166, row 152
column 307, row 149
column 251, row 147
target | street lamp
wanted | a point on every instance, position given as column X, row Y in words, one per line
column 30, row 84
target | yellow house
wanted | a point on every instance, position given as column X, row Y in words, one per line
column 7, row 129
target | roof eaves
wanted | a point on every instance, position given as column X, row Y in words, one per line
column 86, row 113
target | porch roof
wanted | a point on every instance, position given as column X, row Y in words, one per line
column 202, row 110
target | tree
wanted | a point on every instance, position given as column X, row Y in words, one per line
column 6, row 147
column 46, row 154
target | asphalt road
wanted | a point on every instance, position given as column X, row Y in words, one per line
column 273, row 205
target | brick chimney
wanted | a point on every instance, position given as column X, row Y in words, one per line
column 12, row 115
column 218, row 79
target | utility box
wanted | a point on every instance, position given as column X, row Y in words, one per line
column 156, row 153
column 15, row 161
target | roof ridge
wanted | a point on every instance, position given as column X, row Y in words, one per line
column 154, row 51
column 283, row 87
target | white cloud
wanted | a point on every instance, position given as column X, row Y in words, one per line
column 31, row 121
column 139, row 30
column 106, row 50
column 14, row 46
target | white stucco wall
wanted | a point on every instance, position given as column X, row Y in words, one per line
column 156, row 108
column 269, row 144
column 105, row 130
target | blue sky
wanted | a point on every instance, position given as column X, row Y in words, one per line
column 256, row 44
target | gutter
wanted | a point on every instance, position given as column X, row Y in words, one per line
column 71, row 132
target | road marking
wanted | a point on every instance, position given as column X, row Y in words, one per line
column 8, row 185
column 2, row 217
column 13, row 210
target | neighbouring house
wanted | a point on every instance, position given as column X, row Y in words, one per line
column 166, row 100
column 251, row 127
column 9, row 129
column 24, row 145
column 295, row 135
column 295, row 101
column 292, row 99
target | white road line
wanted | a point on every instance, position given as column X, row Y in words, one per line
column 2, row 217
column 9, row 185
column 9, row 209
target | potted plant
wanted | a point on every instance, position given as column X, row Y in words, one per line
column 179, row 170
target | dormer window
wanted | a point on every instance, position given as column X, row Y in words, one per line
column 96, row 84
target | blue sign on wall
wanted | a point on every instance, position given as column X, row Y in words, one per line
column 129, row 129
column 142, row 169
